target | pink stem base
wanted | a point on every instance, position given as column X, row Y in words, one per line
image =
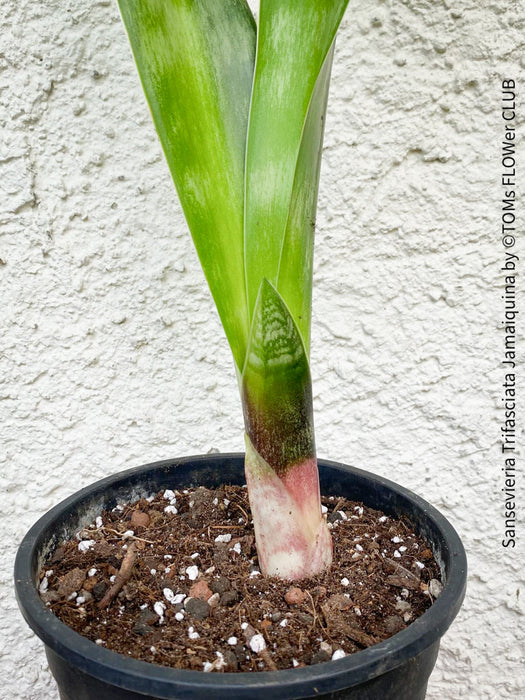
column 292, row 536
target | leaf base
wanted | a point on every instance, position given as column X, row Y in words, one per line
column 292, row 536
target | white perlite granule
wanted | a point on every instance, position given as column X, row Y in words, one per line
column 223, row 538
column 192, row 572
column 169, row 595
column 160, row 609
column 85, row 545
column 257, row 643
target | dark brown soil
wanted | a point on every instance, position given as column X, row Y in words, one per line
column 174, row 580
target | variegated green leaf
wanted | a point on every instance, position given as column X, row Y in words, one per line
column 294, row 280
column 294, row 38
column 195, row 59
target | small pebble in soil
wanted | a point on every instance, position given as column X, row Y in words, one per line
column 214, row 600
column 435, row 587
column 320, row 657
column 197, row 608
column 140, row 519
column 143, row 624
column 200, row 589
column 295, row 596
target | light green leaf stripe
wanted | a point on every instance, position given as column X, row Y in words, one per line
column 293, row 41
column 195, row 59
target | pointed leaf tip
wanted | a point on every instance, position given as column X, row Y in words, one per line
column 276, row 385
column 274, row 339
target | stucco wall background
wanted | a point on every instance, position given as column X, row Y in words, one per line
column 111, row 352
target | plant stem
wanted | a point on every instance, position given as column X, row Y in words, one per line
column 293, row 540
column 292, row 537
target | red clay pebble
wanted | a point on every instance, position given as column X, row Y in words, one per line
column 200, row 589
column 320, row 591
column 140, row 519
column 295, row 596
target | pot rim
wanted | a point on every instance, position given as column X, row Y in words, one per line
column 141, row 676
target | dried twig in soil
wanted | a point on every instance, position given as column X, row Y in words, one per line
column 120, row 579
column 402, row 571
column 314, row 613
column 131, row 537
column 249, row 633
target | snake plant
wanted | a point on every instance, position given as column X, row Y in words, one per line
column 239, row 108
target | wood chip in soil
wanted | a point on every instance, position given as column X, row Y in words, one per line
column 174, row 580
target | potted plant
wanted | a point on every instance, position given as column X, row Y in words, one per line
column 239, row 110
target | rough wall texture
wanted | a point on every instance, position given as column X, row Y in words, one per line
column 111, row 351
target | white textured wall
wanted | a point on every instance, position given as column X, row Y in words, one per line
column 111, row 353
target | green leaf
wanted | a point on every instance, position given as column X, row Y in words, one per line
column 294, row 280
column 293, row 41
column 276, row 385
column 196, row 59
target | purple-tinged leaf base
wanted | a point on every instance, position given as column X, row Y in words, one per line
column 292, row 536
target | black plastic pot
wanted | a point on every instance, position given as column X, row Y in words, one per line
column 396, row 669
